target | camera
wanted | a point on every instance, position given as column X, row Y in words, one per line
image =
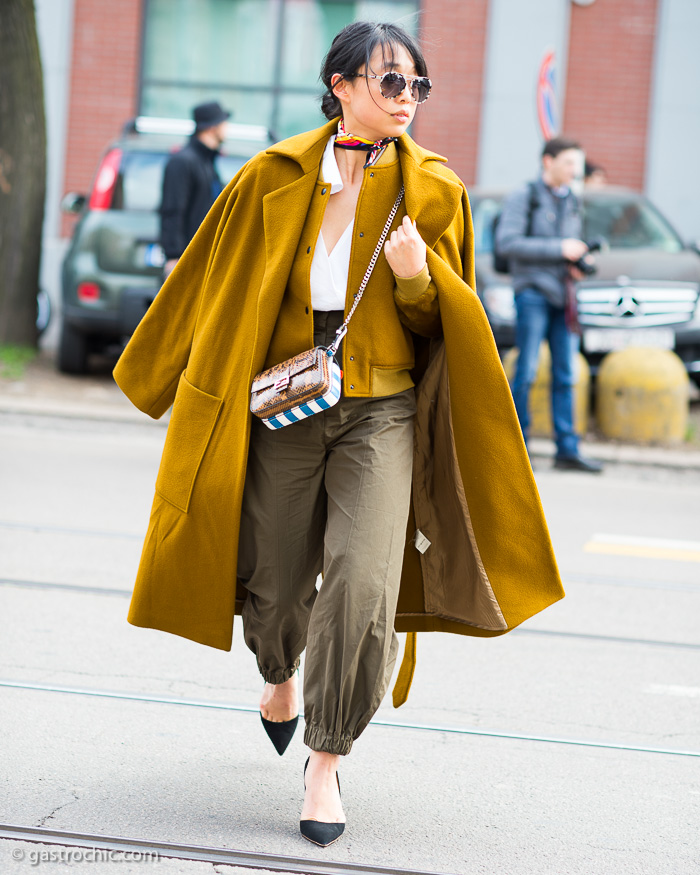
column 596, row 244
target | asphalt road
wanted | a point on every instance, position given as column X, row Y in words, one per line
column 569, row 746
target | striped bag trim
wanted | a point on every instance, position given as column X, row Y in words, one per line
column 303, row 411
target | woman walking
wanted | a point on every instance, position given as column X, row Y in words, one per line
column 423, row 439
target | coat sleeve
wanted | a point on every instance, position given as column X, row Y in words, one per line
column 150, row 367
column 177, row 189
column 511, row 237
column 417, row 301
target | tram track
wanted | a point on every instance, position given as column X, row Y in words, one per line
column 393, row 724
column 154, row 850
column 40, row 529
column 65, row 587
column 552, row 633
column 593, row 579
column 569, row 577
column 607, row 639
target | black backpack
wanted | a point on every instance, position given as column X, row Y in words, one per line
column 501, row 263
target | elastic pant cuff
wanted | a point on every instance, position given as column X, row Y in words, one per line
column 278, row 675
column 318, row 739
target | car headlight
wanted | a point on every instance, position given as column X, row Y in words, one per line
column 500, row 302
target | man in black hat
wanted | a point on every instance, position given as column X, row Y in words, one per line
column 191, row 183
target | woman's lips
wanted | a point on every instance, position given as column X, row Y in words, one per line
column 402, row 116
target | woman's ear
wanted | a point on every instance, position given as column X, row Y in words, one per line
column 339, row 87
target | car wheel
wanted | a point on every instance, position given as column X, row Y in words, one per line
column 72, row 351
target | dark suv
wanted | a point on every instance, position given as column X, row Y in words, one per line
column 112, row 270
column 644, row 292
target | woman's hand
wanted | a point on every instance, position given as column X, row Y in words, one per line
column 405, row 250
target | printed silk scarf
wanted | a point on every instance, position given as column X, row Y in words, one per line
column 350, row 141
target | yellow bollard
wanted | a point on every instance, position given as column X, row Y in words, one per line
column 643, row 396
column 541, row 391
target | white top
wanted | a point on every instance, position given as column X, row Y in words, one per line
column 329, row 272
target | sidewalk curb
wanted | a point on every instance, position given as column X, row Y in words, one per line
column 66, row 410
column 540, row 448
column 624, row 454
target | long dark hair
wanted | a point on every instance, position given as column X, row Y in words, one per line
column 352, row 49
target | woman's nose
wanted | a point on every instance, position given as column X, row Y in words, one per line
column 406, row 95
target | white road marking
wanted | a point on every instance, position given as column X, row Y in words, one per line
column 635, row 541
column 649, row 548
column 674, row 690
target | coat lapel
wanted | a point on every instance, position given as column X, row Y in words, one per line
column 431, row 199
column 284, row 214
column 285, row 208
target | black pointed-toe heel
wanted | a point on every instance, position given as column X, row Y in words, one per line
column 317, row 831
column 280, row 734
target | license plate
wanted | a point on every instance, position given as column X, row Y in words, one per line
column 611, row 339
column 153, row 255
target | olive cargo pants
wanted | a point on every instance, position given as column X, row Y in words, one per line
column 328, row 494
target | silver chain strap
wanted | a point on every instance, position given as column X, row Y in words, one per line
column 343, row 330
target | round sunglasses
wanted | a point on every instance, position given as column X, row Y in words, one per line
column 392, row 84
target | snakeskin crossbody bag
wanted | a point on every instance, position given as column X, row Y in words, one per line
column 310, row 381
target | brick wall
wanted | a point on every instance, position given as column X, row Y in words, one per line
column 453, row 38
column 104, row 84
column 611, row 47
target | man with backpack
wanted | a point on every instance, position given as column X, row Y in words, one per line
column 539, row 234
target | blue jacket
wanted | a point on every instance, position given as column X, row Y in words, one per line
column 535, row 259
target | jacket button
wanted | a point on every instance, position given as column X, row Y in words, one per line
column 307, row 310
column 362, row 234
column 352, row 358
column 324, row 190
column 308, row 250
column 352, row 387
column 371, row 174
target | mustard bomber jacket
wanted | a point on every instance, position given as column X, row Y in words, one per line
column 378, row 351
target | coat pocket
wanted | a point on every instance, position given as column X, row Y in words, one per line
column 189, row 432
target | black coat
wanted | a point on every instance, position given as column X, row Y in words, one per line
column 190, row 187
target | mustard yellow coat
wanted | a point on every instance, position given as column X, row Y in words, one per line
column 489, row 564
